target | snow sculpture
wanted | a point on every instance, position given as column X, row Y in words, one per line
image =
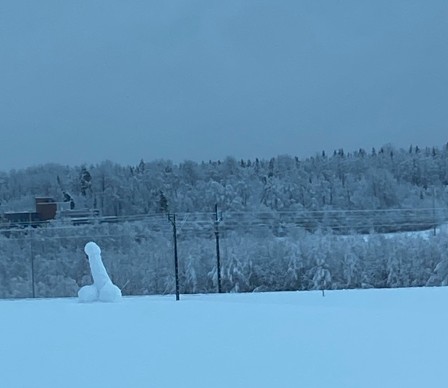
column 102, row 288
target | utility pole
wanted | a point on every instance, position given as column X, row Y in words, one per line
column 33, row 281
column 434, row 209
column 172, row 219
column 218, row 254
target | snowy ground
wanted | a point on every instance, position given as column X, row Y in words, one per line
column 359, row 339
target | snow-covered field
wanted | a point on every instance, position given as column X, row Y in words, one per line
column 367, row 338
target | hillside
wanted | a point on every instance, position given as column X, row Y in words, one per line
column 387, row 178
column 285, row 223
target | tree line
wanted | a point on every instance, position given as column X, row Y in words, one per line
column 387, row 178
column 49, row 262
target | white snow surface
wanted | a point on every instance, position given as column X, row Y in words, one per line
column 360, row 339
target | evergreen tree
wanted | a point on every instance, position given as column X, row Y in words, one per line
column 163, row 203
column 85, row 180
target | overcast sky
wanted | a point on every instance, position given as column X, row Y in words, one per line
column 85, row 81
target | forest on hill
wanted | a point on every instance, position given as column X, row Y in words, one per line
column 280, row 230
column 387, row 178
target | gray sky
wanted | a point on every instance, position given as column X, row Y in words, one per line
column 85, row 81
